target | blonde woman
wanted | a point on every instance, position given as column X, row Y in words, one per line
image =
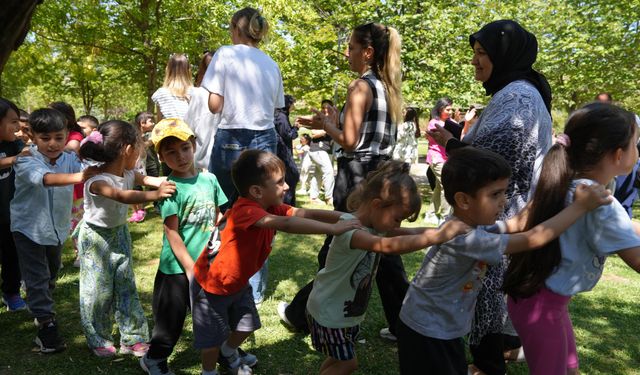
column 172, row 99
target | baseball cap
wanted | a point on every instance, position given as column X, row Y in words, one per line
column 170, row 127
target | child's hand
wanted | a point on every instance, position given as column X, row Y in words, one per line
column 451, row 229
column 592, row 196
column 89, row 172
column 344, row 226
column 165, row 190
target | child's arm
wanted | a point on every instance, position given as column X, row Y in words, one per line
column 631, row 257
column 326, row 216
column 165, row 190
column 142, row 180
column 587, row 198
column 301, row 225
column 177, row 245
column 407, row 243
column 11, row 160
column 64, row 179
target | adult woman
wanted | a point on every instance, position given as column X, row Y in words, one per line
column 246, row 102
column 202, row 122
column 172, row 99
column 365, row 132
column 436, row 157
column 517, row 125
column 406, row 145
column 286, row 134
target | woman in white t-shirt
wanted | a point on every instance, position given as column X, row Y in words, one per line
column 172, row 99
column 246, row 88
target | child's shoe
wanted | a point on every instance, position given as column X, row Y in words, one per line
column 138, row 349
column 155, row 366
column 14, row 302
column 238, row 363
column 141, row 215
column 48, row 338
column 137, row 216
column 104, row 351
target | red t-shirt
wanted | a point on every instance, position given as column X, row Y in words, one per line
column 78, row 189
column 243, row 248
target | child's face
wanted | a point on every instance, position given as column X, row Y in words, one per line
column 9, row 125
column 131, row 155
column 147, row 126
column 51, row 144
column 630, row 155
column 272, row 190
column 389, row 217
column 24, row 133
column 179, row 157
column 86, row 127
column 486, row 205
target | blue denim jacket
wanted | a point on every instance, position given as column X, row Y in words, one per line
column 42, row 213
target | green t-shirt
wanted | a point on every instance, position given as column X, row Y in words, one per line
column 194, row 203
column 342, row 289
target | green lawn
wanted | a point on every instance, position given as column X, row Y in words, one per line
column 607, row 320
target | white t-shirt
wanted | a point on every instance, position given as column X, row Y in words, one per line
column 102, row 211
column 251, row 84
column 204, row 125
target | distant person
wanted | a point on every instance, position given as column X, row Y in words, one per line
column 604, row 97
column 172, row 99
column 286, row 135
column 88, row 124
column 438, row 209
column 406, row 148
column 24, row 132
column 319, row 148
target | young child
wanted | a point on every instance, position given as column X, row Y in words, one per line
column 10, row 147
column 439, row 306
column 302, row 150
column 88, row 124
column 224, row 313
column 341, row 290
column 599, row 143
column 41, row 217
column 23, row 132
column 147, row 163
column 107, row 281
column 189, row 218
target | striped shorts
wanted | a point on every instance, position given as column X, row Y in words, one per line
column 338, row 343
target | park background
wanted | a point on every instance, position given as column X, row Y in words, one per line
column 106, row 58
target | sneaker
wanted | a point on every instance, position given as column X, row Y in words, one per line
column 48, row 338
column 104, row 351
column 236, row 363
column 386, row 334
column 138, row 349
column 282, row 313
column 155, row 366
column 141, row 215
column 135, row 217
column 14, row 302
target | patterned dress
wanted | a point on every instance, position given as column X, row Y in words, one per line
column 516, row 125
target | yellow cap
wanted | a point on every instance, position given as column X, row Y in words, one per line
column 170, row 127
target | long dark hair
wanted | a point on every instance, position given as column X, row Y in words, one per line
column 5, row 106
column 116, row 135
column 594, row 131
column 440, row 105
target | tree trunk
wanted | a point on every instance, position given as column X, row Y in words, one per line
column 15, row 20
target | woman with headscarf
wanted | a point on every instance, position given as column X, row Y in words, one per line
column 517, row 125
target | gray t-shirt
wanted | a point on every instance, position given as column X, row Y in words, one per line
column 441, row 298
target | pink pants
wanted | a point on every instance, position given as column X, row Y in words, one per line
column 544, row 326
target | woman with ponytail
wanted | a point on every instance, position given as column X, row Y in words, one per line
column 365, row 130
column 245, row 87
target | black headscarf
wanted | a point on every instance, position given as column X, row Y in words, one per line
column 512, row 51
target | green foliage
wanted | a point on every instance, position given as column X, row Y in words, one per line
column 107, row 56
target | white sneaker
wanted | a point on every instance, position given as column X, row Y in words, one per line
column 282, row 307
column 386, row 334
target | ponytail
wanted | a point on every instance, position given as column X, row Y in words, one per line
column 251, row 24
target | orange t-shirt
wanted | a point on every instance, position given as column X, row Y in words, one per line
column 243, row 248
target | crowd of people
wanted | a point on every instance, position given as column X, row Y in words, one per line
column 517, row 224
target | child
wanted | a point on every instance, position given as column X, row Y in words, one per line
column 23, row 132
column 439, row 306
column 41, row 217
column 189, row 218
column 10, row 147
column 107, row 281
column 302, row 150
column 88, row 124
column 341, row 290
column 224, row 313
column 599, row 143
column 148, row 162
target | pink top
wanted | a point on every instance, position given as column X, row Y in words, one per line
column 436, row 153
column 78, row 189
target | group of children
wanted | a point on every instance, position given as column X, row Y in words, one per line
column 571, row 220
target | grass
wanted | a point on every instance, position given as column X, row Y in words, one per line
column 606, row 320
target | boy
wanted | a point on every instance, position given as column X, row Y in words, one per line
column 189, row 217
column 41, row 216
column 224, row 313
column 440, row 303
column 88, row 124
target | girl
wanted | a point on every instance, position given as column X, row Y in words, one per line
column 104, row 243
column 341, row 291
column 599, row 143
column 302, row 150
column 436, row 157
column 172, row 99
column 406, row 144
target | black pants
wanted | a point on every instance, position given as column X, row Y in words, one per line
column 170, row 305
column 391, row 278
column 10, row 267
column 420, row 354
column 488, row 356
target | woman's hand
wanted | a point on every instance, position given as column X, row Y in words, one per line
column 440, row 135
column 470, row 115
column 320, row 119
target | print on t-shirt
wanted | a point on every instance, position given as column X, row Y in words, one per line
column 362, row 282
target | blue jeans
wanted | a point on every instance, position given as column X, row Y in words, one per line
column 227, row 147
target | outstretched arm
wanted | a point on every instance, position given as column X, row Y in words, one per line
column 301, row 225
column 631, row 257
column 326, row 216
column 165, row 190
